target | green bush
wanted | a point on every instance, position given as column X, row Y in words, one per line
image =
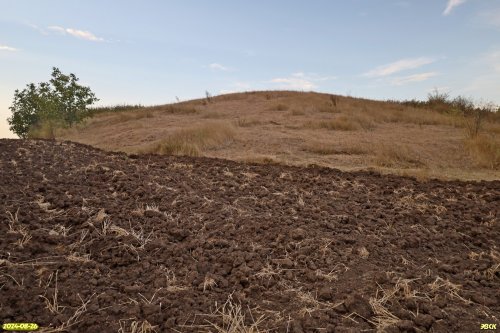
column 61, row 100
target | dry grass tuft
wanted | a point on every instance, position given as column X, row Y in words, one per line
column 485, row 151
column 208, row 283
column 73, row 320
column 363, row 252
column 53, row 305
column 232, row 319
column 245, row 122
column 396, row 156
column 450, row 288
column 213, row 115
column 134, row 326
column 351, row 122
column 178, row 109
column 133, row 115
column 279, row 107
column 16, row 228
column 192, row 141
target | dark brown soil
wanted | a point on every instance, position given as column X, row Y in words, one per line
column 101, row 242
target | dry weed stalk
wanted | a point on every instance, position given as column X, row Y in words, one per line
column 208, row 283
column 73, row 320
column 451, row 288
column 136, row 326
column 383, row 317
column 16, row 228
column 53, row 305
column 233, row 319
column 268, row 271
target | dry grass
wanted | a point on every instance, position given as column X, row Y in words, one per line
column 351, row 122
column 53, row 304
column 404, row 115
column 259, row 159
column 484, row 150
column 341, row 123
column 213, row 115
column 136, row 326
column 134, row 115
column 208, row 283
column 383, row 298
column 16, row 228
column 396, row 156
column 73, row 320
column 193, row 141
column 450, row 288
column 325, row 148
column 246, row 122
column 177, row 109
column 327, row 108
column 230, row 318
column 279, row 107
column 296, row 112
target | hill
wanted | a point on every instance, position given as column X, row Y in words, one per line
column 298, row 128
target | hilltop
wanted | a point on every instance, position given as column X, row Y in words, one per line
column 299, row 128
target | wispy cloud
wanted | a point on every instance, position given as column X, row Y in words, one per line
column 37, row 28
column 451, row 5
column 301, row 81
column 7, row 48
column 399, row 81
column 218, row 67
column 491, row 17
column 399, row 66
column 82, row 34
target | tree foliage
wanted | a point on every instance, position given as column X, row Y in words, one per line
column 61, row 100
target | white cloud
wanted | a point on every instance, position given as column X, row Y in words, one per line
column 227, row 91
column 451, row 5
column 399, row 81
column 398, row 66
column 294, row 83
column 218, row 67
column 7, row 48
column 301, row 81
column 87, row 35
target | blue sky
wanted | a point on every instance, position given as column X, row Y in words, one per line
column 149, row 52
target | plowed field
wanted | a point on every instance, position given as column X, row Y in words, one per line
column 93, row 241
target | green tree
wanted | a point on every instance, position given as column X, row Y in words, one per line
column 60, row 100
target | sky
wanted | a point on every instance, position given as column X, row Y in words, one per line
column 153, row 52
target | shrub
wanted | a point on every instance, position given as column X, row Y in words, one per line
column 61, row 100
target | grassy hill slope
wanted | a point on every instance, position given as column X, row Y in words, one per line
column 301, row 128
